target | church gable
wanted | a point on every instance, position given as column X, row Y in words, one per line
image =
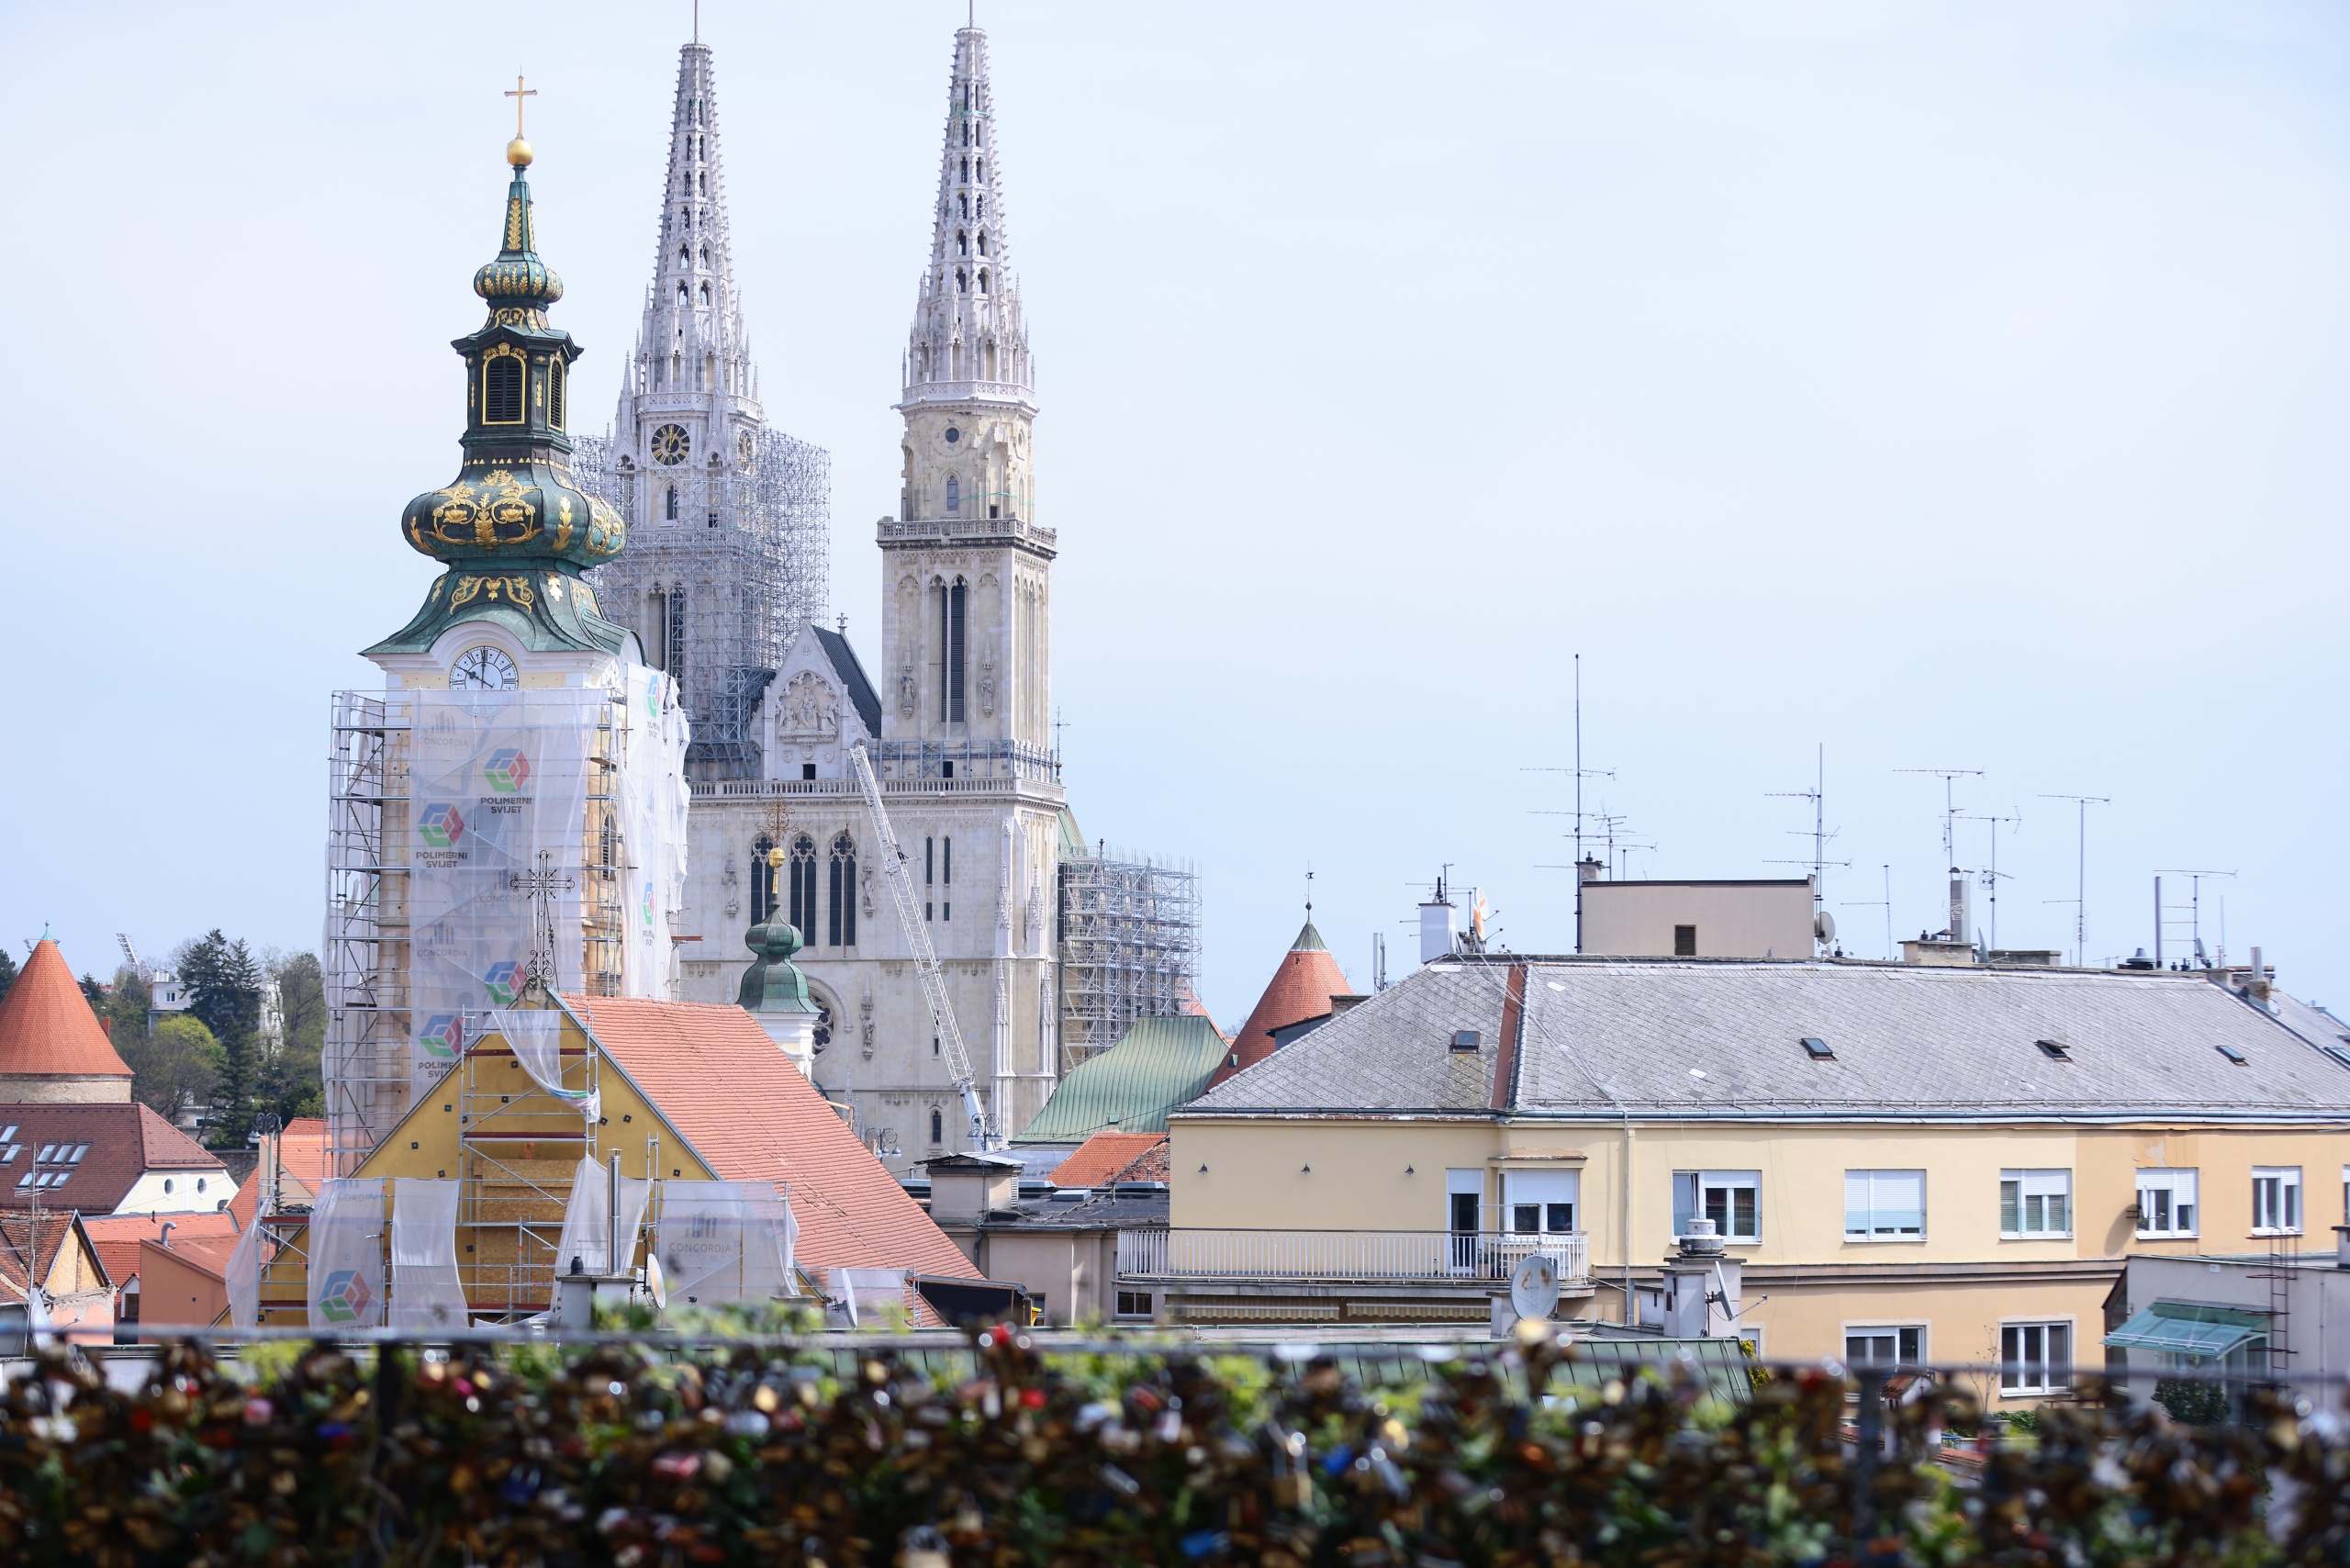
column 813, row 709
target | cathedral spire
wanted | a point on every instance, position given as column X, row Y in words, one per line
column 970, row 338
column 692, row 336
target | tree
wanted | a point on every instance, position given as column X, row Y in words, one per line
column 8, row 973
column 178, row 1066
column 290, row 1085
column 95, row 993
column 125, row 1010
column 224, row 986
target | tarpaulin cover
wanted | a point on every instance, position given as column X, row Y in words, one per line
column 243, row 1278
column 536, row 1038
column 427, row 1292
column 346, row 1254
column 870, row 1295
column 653, row 799
column 587, row 1220
column 495, row 778
column 723, row 1241
column 2181, row 1329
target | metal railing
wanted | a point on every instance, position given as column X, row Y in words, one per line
column 1431, row 1255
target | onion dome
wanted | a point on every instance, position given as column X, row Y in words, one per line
column 515, row 526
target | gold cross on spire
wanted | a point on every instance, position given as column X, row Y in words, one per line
column 518, row 95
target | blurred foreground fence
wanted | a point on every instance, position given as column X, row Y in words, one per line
column 1007, row 1452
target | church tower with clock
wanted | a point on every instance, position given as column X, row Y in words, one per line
column 728, row 519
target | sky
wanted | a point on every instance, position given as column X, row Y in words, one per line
column 1920, row 386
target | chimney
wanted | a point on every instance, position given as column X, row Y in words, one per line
column 1437, row 938
column 1960, row 929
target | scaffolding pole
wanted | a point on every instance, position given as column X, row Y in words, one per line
column 1130, row 947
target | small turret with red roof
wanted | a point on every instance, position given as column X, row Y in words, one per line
column 1300, row 991
column 53, row 1048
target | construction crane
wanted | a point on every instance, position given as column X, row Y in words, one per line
column 896, row 872
column 131, row 957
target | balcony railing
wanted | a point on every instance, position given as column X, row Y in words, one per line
column 1433, row 1255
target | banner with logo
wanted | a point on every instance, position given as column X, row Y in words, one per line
column 428, row 1294
column 346, row 1254
column 653, row 798
column 588, row 1225
column 496, row 779
column 722, row 1241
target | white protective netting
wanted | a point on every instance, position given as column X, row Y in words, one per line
column 345, row 1251
column 427, row 1292
column 725, row 1241
column 588, row 1221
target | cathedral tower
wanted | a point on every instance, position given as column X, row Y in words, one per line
column 728, row 517
column 966, row 570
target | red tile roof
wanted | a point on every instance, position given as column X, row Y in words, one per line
column 47, row 1027
column 126, row 1141
column 751, row 1118
column 1300, row 989
column 1150, row 1165
column 1100, row 1158
column 302, row 1168
column 24, row 1238
column 116, row 1237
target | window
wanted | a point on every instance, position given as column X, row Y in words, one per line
column 676, row 663
column 929, row 878
column 953, row 493
column 951, row 598
column 81, row 1149
column 937, row 1126
column 2277, row 1199
column 807, row 770
column 962, row 242
column 1684, row 941
column 1541, row 1203
column 803, row 885
column 1901, row 1345
column 946, row 878
column 501, row 390
column 842, row 931
column 1817, row 1048
column 1134, row 1304
column 669, row 506
column 167, row 1186
column 763, row 879
column 1731, row 1199
column 1885, row 1205
column 554, row 391
column 9, row 1156
column 2165, row 1203
column 2035, row 1202
column 2035, row 1357
column 27, row 1179
column 2054, row 1050
column 1465, row 1039
column 48, row 1152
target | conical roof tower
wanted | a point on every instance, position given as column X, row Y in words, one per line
column 1300, row 989
column 729, row 520
column 53, row 1046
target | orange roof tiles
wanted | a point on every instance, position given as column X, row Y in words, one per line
column 1099, row 1158
column 301, row 1168
column 1300, row 989
column 126, row 1140
column 47, row 1027
column 117, row 1236
column 1151, row 1165
column 751, row 1118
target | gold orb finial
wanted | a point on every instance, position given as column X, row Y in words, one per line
column 518, row 152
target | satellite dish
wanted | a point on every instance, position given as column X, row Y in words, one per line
column 1823, row 925
column 1533, row 1286
column 655, row 1283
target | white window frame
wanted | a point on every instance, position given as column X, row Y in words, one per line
column 1896, row 1331
column 1545, row 1192
column 1700, row 1184
column 2285, row 1183
column 2035, row 1183
column 1871, row 1231
column 2170, row 1181
column 2017, row 1380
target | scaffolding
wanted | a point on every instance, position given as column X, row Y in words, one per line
column 1130, row 946
column 372, row 1066
column 724, row 566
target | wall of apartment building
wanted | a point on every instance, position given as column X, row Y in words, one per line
column 1731, row 920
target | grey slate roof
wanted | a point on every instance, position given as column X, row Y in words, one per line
column 1682, row 1040
column 852, row 674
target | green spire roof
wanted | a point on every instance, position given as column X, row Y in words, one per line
column 1309, row 941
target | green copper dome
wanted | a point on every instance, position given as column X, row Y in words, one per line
column 515, row 527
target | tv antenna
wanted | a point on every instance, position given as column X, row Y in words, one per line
column 1819, row 835
column 1949, row 775
column 1991, row 876
column 2194, row 910
column 1580, row 773
column 2080, row 901
column 1886, row 903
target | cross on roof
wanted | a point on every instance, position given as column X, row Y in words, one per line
column 518, row 95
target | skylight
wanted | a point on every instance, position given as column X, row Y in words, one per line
column 1465, row 1039
column 2339, row 1054
column 2055, row 1050
column 2234, row 1055
column 1817, row 1048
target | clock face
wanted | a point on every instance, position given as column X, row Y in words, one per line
column 743, row 448
column 484, row 668
column 670, row 445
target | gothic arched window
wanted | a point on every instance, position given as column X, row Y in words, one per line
column 951, row 651
column 501, row 391
column 685, row 256
column 937, row 1126
column 841, row 930
column 962, row 284
column 983, row 241
column 962, row 241
column 983, row 171
column 983, row 280
column 705, row 255
column 966, row 178
column 983, row 208
column 676, row 663
column 803, row 885
column 705, row 292
column 763, row 879
column 670, row 504
column 953, row 493
column 683, row 298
